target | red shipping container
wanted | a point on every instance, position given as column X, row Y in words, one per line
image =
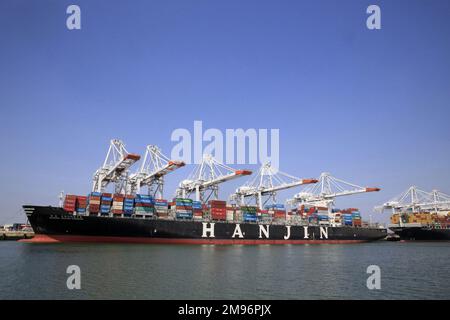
column 217, row 216
column 217, row 204
column 218, row 210
column 143, row 205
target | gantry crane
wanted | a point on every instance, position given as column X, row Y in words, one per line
column 152, row 171
column 326, row 190
column 114, row 168
column 417, row 200
column 206, row 177
column 267, row 183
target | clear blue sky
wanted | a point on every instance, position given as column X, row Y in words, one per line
column 371, row 107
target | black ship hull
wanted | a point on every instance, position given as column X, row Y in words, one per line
column 53, row 224
column 422, row 233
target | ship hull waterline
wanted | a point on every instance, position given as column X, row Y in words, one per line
column 421, row 233
column 54, row 225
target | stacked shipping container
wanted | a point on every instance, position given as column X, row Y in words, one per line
column 70, row 203
column 117, row 205
column 218, row 210
column 197, row 209
column 128, row 205
column 81, row 205
column 94, row 203
column 249, row 213
column 161, row 208
column 144, row 206
column 277, row 211
column 183, row 208
column 106, row 201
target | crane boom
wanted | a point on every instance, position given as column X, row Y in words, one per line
column 207, row 176
column 152, row 171
column 417, row 199
column 115, row 167
column 326, row 190
column 267, row 183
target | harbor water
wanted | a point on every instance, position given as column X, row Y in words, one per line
column 409, row 270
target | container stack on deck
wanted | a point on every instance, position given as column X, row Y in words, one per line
column 70, row 203
column 197, row 209
column 218, row 210
column 347, row 219
column 94, row 203
column 105, row 207
column 117, row 205
column 323, row 218
column 183, row 208
column 161, row 208
column 424, row 218
column 356, row 217
column 144, row 206
column 231, row 213
column 249, row 213
column 81, row 205
column 128, row 206
column 278, row 211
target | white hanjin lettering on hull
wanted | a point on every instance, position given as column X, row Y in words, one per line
column 323, row 232
column 288, row 233
column 264, row 230
column 306, row 233
column 237, row 232
column 207, row 230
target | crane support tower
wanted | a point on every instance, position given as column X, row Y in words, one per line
column 266, row 183
column 114, row 168
column 205, row 179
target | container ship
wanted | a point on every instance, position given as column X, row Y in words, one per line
column 420, row 215
column 252, row 216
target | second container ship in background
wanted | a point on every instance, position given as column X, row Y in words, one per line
column 420, row 215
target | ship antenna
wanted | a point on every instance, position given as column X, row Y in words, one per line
column 61, row 197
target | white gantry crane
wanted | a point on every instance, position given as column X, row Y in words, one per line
column 152, row 171
column 267, row 183
column 417, row 200
column 206, row 177
column 326, row 190
column 114, row 168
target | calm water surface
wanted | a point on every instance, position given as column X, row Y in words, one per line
column 110, row 271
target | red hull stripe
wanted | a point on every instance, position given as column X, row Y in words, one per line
column 69, row 238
